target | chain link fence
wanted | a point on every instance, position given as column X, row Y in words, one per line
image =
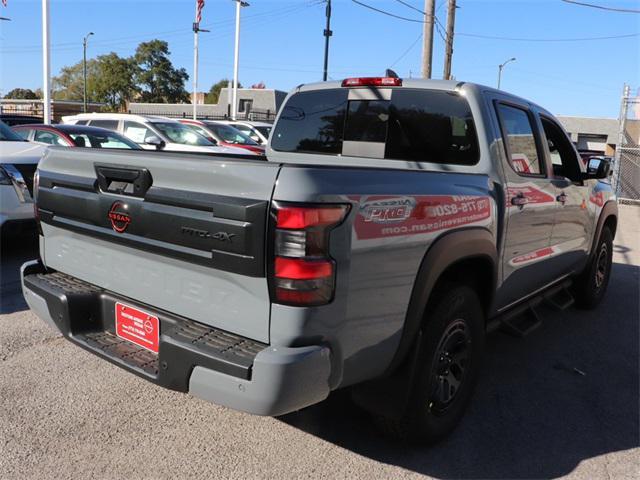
column 627, row 159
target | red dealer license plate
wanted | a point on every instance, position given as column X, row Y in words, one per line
column 138, row 326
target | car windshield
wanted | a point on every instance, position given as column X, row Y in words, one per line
column 101, row 140
column 8, row 135
column 179, row 133
column 230, row 135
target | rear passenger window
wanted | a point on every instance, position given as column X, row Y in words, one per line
column 108, row 124
column 520, row 141
column 415, row 125
column 312, row 122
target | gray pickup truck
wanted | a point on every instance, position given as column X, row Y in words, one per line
column 394, row 223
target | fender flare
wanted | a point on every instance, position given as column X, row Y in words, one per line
column 445, row 251
column 388, row 395
column 610, row 209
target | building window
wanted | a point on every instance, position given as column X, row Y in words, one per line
column 245, row 105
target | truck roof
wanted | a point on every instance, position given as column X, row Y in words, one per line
column 423, row 83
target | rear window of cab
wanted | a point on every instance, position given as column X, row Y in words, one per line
column 412, row 124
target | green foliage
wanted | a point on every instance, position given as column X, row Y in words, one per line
column 69, row 84
column 22, row 94
column 115, row 80
column 214, row 92
column 158, row 80
column 148, row 76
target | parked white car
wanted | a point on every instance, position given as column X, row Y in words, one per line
column 18, row 163
column 257, row 131
column 153, row 132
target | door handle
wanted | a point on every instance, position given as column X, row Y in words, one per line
column 519, row 200
column 562, row 198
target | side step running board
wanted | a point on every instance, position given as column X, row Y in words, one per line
column 521, row 323
column 561, row 299
column 523, row 319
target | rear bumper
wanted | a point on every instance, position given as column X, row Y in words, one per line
column 214, row 365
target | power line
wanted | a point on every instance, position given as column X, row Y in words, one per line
column 70, row 46
column 495, row 37
column 517, row 39
column 600, row 7
column 406, row 19
column 406, row 52
column 411, row 7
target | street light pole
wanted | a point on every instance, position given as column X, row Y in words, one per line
column 327, row 34
column 46, row 64
column 84, row 68
column 236, row 56
column 500, row 67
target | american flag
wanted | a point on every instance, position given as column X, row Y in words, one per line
column 199, row 7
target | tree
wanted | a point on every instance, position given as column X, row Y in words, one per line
column 214, row 92
column 22, row 94
column 115, row 80
column 69, row 84
column 158, row 80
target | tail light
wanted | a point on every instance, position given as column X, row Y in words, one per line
column 372, row 82
column 36, row 213
column 303, row 271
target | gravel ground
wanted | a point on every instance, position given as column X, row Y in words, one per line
column 66, row 414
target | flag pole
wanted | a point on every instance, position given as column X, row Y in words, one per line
column 46, row 63
column 194, row 98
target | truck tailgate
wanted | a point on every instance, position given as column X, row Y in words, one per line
column 182, row 233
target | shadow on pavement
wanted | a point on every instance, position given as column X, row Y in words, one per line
column 14, row 251
column 533, row 415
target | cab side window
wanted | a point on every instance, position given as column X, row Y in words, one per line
column 137, row 132
column 520, row 141
column 564, row 159
column 108, row 124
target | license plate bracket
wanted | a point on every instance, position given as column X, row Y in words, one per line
column 137, row 326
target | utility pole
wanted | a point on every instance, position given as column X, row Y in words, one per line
column 236, row 57
column 194, row 97
column 84, row 70
column 46, row 64
column 451, row 20
column 327, row 34
column 427, row 37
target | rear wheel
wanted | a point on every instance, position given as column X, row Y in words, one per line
column 589, row 288
column 452, row 348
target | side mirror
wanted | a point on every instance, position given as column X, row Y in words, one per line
column 155, row 141
column 212, row 140
column 598, row 168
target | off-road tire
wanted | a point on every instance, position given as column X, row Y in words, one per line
column 456, row 307
column 591, row 285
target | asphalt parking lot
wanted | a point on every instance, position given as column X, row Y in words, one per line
column 562, row 402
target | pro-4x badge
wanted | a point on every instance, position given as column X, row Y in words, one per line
column 119, row 216
column 220, row 236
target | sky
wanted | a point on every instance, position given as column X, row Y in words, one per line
column 282, row 43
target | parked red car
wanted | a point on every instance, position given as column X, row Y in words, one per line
column 224, row 135
column 74, row 136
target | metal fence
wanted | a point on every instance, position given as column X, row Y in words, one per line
column 627, row 160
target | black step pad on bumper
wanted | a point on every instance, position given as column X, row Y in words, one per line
column 85, row 314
